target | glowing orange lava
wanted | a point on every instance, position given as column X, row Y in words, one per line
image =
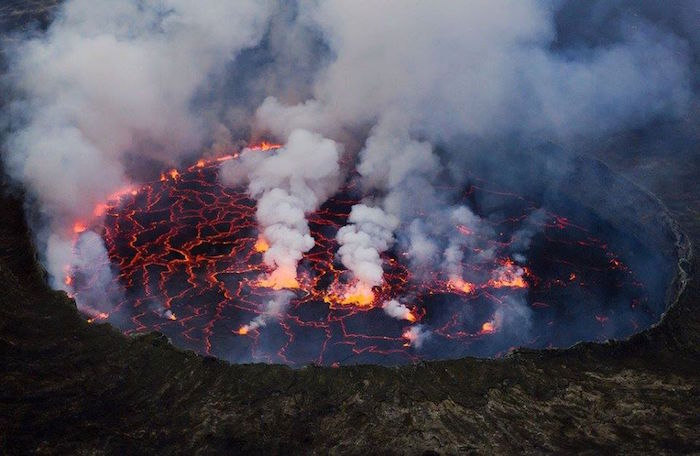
column 359, row 294
column 488, row 328
column 279, row 279
column 509, row 275
column 458, row 284
column 189, row 245
column 261, row 245
column 265, row 146
column 79, row 227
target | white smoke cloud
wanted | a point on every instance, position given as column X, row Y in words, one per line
column 109, row 83
column 369, row 232
column 416, row 336
column 397, row 310
column 423, row 251
column 113, row 83
column 522, row 238
column 453, row 256
column 513, row 318
column 486, row 68
column 420, row 73
column 288, row 184
column 273, row 310
column 89, row 258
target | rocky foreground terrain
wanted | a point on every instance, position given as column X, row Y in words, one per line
column 69, row 387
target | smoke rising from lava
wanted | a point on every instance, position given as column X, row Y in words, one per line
column 108, row 84
column 109, row 89
column 287, row 184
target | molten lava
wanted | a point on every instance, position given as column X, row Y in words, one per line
column 458, row 284
column 261, row 245
column 359, row 294
column 185, row 245
column 488, row 327
column 279, row 279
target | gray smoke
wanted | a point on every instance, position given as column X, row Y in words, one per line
column 421, row 74
column 111, row 86
column 287, row 184
column 109, row 83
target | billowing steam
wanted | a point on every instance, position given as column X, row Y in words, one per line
column 112, row 89
column 108, row 87
column 369, row 233
column 287, row 184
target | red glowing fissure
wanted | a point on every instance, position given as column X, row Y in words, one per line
column 189, row 257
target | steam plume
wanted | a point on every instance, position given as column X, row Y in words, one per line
column 287, row 184
column 397, row 310
column 107, row 85
column 111, row 89
column 273, row 310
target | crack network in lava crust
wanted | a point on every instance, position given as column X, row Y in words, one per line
column 187, row 258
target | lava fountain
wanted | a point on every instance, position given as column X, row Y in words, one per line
column 187, row 257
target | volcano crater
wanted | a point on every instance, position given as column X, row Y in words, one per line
column 187, row 260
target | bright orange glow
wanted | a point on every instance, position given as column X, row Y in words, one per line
column 279, row 279
column 509, row 276
column 223, row 257
column 360, row 295
column 508, row 280
column 488, row 328
column 265, row 146
column 261, row 245
column 99, row 316
column 226, row 157
column 410, row 336
column 122, row 192
column 173, row 174
column 360, row 299
column 459, row 284
column 101, row 208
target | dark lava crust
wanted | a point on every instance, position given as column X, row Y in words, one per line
column 67, row 387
